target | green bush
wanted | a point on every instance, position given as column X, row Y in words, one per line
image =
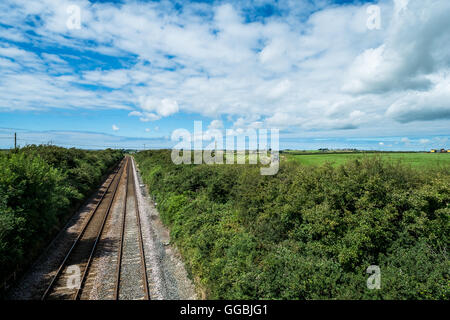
column 40, row 187
column 307, row 232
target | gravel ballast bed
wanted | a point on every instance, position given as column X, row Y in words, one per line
column 168, row 279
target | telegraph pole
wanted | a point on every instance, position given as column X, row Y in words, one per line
column 15, row 140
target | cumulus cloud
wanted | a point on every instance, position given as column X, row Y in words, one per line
column 411, row 51
column 115, row 128
column 216, row 124
column 167, row 107
column 282, row 119
column 311, row 67
column 423, row 106
column 155, row 109
column 135, row 113
column 148, row 116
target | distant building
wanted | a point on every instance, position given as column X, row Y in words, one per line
column 433, row 151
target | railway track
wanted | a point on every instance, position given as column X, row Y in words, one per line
column 71, row 277
column 131, row 257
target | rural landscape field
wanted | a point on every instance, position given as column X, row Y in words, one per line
column 222, row 158
column 307, row 233
column 418, row 160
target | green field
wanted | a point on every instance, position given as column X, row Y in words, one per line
column 426, row 160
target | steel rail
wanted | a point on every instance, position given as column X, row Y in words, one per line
column 141, row 244
column 130, row 179
column 77, row 240
column 122, row 232
column 99, row 234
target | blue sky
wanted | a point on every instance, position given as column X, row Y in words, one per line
column 136, row 71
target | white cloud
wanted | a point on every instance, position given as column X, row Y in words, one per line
column 155, row 108
column 423, row 106
column 53, row 58
column 115, row 128
column 136, row 113
column 411, row 51
column 113, row 79
column 280, row 89
column 216, row 124
column 282, row 119
column 148, row 116
column 167, row 107
column 314, row 68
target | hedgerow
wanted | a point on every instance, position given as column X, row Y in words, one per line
column 40, row 187
column 307, row 232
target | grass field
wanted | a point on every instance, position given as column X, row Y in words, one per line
column 425, row 160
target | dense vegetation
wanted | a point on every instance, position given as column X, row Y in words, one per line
column 307, row 232
column 40, row 187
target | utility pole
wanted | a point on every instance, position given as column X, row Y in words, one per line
column 15, row 140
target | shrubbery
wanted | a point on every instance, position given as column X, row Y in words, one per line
column 40, row 187
column 307, row 232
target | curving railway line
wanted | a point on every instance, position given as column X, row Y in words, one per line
column 75, row 272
